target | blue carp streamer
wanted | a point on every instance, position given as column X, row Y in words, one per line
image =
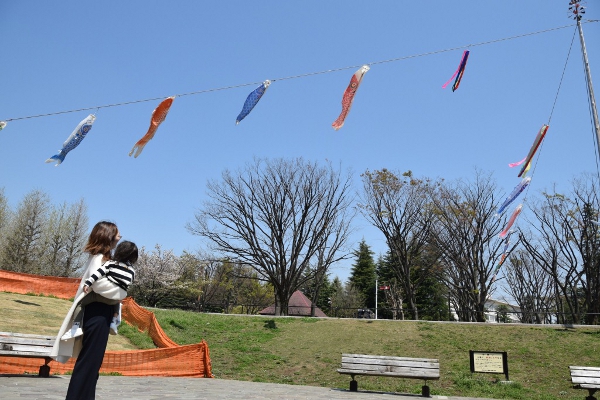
column 252, row 101
column 74, row 139
column 515, row 193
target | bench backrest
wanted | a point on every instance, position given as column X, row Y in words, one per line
column 364, row 364
column 585, row 377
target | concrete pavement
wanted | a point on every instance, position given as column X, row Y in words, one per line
column 18, row 387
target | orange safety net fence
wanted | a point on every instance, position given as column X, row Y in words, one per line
column 169, row 359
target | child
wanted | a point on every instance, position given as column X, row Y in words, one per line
column 109, row 284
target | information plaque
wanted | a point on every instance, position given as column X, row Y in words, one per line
column 491, row 362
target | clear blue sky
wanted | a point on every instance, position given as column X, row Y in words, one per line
column 68, row 55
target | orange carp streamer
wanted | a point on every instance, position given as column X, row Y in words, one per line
column 349, row 96
column 158, row 116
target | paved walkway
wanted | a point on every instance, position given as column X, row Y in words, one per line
column 18, row 387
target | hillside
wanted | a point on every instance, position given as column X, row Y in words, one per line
column 307, row 351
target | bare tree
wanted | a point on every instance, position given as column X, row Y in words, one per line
column 531, row 287
column 76, row 236
column 54, row 241
column 64, row 235
column 275, row 215
column 394, row 298
column 397, row 204
column 24, row 244
column 5, row 216
column 585, row 232
column 465, row 234
column 567, row 247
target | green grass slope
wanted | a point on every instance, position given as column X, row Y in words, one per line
column 307, row 351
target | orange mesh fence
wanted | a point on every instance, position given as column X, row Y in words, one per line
column 15, row 282
column 169, row 359
column 145, row 320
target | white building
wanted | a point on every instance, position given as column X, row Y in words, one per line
column 491, row 311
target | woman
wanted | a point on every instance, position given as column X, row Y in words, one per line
column 90, row 347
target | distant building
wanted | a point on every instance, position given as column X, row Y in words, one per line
column 491, row 311
column 299, row 306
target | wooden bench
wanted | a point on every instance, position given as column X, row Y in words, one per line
column 25, row 345
column 396, row 367
column 586, row 378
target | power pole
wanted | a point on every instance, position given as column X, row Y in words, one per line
column 578, row 10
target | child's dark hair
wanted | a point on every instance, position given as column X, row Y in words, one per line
column 126, row 252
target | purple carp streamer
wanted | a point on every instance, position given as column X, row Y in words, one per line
column 252, row 100
column 349, row 96
column 459, row 72
column 514, row 194
column 73, row 140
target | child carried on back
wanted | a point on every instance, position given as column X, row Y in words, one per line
column 109, row 284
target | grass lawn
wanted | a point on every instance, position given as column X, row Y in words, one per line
column 307, row 351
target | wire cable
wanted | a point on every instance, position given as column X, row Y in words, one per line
column 293, row 76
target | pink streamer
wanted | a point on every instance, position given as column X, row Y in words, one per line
column 516, row 164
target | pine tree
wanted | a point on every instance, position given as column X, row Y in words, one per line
column 363, row 275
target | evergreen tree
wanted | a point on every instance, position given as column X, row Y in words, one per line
column 363, row 275
column 431, row 295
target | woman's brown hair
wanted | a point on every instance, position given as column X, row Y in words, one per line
column 101, row 239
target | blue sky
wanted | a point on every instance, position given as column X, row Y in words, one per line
column 68, row 55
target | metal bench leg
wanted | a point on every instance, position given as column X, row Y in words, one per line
column 353, row 385
column 591, row 396
column 425, row 391
column 45, row 369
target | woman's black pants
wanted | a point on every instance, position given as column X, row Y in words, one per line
column 96, row 324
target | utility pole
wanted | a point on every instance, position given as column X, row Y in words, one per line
column 578, row 10
column 376, row 297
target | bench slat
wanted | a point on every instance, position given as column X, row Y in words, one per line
column 25, row 354
column 26, row 335
column 578, row 380
column 389, row 374
column 404, row 373
column 584, row 386
column 27, row 349
column 26, row 342
column 574, row 368
column 391, row 363
column 389, row 357
column 368, row 367
column 591, row 374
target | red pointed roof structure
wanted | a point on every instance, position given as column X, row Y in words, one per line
column 299, row 306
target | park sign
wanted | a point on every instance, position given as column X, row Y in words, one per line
column 490, row 362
